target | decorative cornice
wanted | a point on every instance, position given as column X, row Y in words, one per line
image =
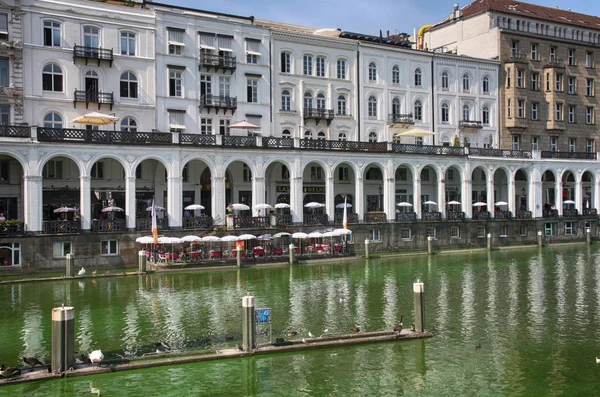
column 314, row 40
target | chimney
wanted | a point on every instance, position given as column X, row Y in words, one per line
column 388, row 34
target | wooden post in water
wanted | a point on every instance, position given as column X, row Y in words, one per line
column 291, row 253
column 63, row 339
column 238, row 256
column 419, row 306
column 429, row 245
column 540, row 242
column 248, row 326
column 588, row 236
column 367, row 249
column 489, row 241
column 70, row 261
column 141, row 261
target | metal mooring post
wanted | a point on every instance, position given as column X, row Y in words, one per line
column 489, row 241
column 540, row 242
column 366, row 249
column 588, row 235
column 291, row 253
column 239, row 256
column 142, row 261
column 248, row 326
column 70, row 261
column 63, row 339
column 419, row 306
column 429, row 245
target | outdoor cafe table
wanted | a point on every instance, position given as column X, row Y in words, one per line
column 215, row 254
column 171, row 256
column 277, row 251
column 259, row 251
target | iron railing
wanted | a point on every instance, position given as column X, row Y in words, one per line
column 218, row 101
column 318, row 113
column 85, row 52
column 61, row 227
column 428, row 149
column 146, row 224
column 323, row 144
column 197, row 139
column 15, row 131
column 228, row 62
column 394, row 118
column 107, row 225
column 406, row 216
column 470, row 124
column 524, row 215
column 455, row 216
column 316, row 219
column 98, row 97
column 375, row 217
column 481, row 216
column 502, row 215
column 239, row 141
column 198, row 222
column 284, row 220
column 103, row 136
column 339, row 218
column 569, row 155
column 11, row 229
column 550, row 213
column 273, row 142
column 570, row 212
column 590, row 212
column 431, row 216
column 505, row 153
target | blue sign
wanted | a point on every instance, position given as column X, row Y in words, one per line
column 262, row 316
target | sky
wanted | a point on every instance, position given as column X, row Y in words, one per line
column 361, row 16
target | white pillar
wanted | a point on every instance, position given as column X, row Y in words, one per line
column 596, row 187
column 490, row 194
column 359, row 198
column 85, row 207
column 389, row 199
column 174, row 201
column 330, row 197
column 466, row 202
column 558, row 201
column 417, row 197
column 578, row 194
column 536, row 203
column 512, row 204
column 33, row 203
column 441, row 200
column 130, row 210
column 217, row 190
column 258, row 193
column 296, row 198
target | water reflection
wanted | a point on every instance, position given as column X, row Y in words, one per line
column 536, row 297
column 32, row 334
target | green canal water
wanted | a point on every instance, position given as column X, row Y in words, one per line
column 536, row 316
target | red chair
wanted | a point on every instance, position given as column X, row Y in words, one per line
column 277, row 251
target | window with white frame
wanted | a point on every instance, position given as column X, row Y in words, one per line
column 286, row 101
column 553, row 144
column 128, row 124
column 97, row 171
column 558, row 112
column 372, row 107
column 485, row 85
column 535, row 143
column 254, row 119
column 206, row 42
column 481, row 231
column 552, row 54
column 571, row 114
column 430, row 232
column 406, row 234
column 308, row 65
column 550, row 229
column 4, row 114
column 321, row 136
column 535, row 81
column 535, row 107
column 445, row 81
column 205, row 84
column 286, row 62
column 454, row 232
column 485, row 115
column 569, row 228
column 589, row 60
column 572, row 145
column 589, row 115
column 571, row 85
column 60, row 249
column 395, row 74
column 589, row 87
column 51, row 34
column 342, row 105
column 559, row 82
column 225, row 44
column 589, row 145
column 341, row 69
column 445, row 113
column 316, row 173
column 224, row 86
column 418, row 77
column 224, row 127
column 373, row 136
column 109, row 247
column 516, row 142
column 548, row 111
column 521, row 108
column 175, row 82
column 523, row 229
column 252, row 90
column 342, row 137
column 375, row 235
column 52, row 78
column 466, row 83
column 320, row 100
column 252, row 51
column 308, row 100
column 372, row 72
column 53, row 120
column 175, row 41
column 509, row 108
column 508, row 76
column 320, row 66
column 418, row 110
column 128, row 43
column 503, row 231
column 3, row 26
column 343, row 174
column 128, row 85
column 520, row 78
column 53, row 169
column 206, row 126
column 571, row 57
column 466, row 113
column 91, row 37
column 534, row 52
column 176, row 120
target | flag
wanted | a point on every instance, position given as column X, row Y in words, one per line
column 345, row 218
column 154, row 227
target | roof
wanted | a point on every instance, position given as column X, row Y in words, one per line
column 529, row 10
column 376, row 39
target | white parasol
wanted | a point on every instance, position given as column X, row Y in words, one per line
column 314, row 205
column 479, row 204
column 503, row 203
column 156, row 208
column 190, row 239
column 112, row 209
column 453, row 202
column 281, row 234
column 194, row 207
column 430, row 202
column 344, row 205
column 404, row 204
column 247, row 237
column 244, row 125
column 299, row 235
column 282, row 205
column 64, row 209
column 239, row 207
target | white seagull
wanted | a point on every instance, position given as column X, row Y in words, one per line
column 310, row 335
column 597, row 360
column 96, row 356
column 81, row 272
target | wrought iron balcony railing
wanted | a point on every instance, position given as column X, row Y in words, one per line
column 431, row 216
column 569, row 155
column 224, row 102
column 375, row 217
column 319, row 114
column 107, row 225
column 481, row 216
column 570, row 212
column 218, row 62
column 15, row 131
column 97, row 53
column 395, row 118
column 470, row 124
column 455, row 216
column 590, row 212
column 273, row 142
column 239, row 141
column 197, row 139
column 505, row 153
column 103, row 136
column 428, row 149
column 524, row 215
column 98, row 97
column 406, row 216
column 202, row 222
column 502, row 215
column 61, row 227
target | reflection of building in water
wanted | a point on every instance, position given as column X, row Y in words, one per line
column 468, row 302
column 536, row 297
column 131, row 331
column 31, row 333
column 84, row 337
column 390, row 302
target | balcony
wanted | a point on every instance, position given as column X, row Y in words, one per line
column 516, row 57
column 481, row 216
column 106, row 225
column 504, row 153
column 431, row 216
column 99, row 97
column 197, row 139
column 99, row 54
column 338, row 218
column 375, row 217
column 218, row 62
column 146, row 224
column 274, row 142
column 502, row 215
column 590, row 212
column 319, row 114
column 428, row 149
column 516, row 122
column 455, row 216
column 15, row 131
column 73, row 135
column 555, row 125
column 218, row 102
column 316, row 219
column 239, row 141
column 524, row 215
column 323, row 144
column 470, row 125
column 61, row 227
column 400, row 120
column 202, row 222
column 550, row 213
column 555, row 63
column 406, row 216
column 570, row 213
column 569, row 155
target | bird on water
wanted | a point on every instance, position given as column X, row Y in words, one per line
column 398, row 327
column 96, row 356
column 310, row 335
column 81, row 272
column 8, row 372
column 356, row 330
column 597, row 360
column 478, row 346
column 32, row 361
column 291, row 333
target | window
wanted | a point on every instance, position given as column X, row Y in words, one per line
column 445, row 82
column 406, row 234
column 175, row 83
column 224, row 127
column 286, row 133
column 547, row 81
column 109, row 247
column 568, row 228
column 572, row 145
column 535, row 143
column 559, row 82
column 558, row 112
column 454, row 231
column 176, row 120
column 3, row 26
column 396, row 106
column 224, row 86
column 589, row 145
column 4, row 73
column 445, row 113
column 316, row 173
column 552, row 54
column 308, row 66
column 571, row 57
column 548, row 112
column 373, row 136
column 508, row 77
column 571, row 85
column 481, row 232
column 589, row 115
column 286, row 101
column 372, row 107
column 206, row 126
column 553, row 144
column 395, row 74
column 430, row 232
column 342, row 137
column 252, row 90
column 516, row 142
column 589, row 87
column 308, row 100
column 521, row 108
column 485, row 115
column 375, row 235
column 128, row 43
column 175, row 41
column 534, row 52
column 53, row 169
column 320, row 61
column 535, row 106
column 128, row 124
column 53, row 120
column 341, row 69
column 252, row 51
column 372, row 72
column 466, row 83
column 51, row 34
column 320, row 100
column 520, row 78
column 486, row 85
column 4, row 114
column 550, row 229
column 342, row 105
column 509, row 108
column 60, row 249
column 286, row 62
column 52, row 78
column 418, row 77
column 589, row 60
column 466, row 113
column 571, row 115
column 246, row 173
column 91, row 36
column 418, row 110
column 205, row 84
column 344, row 174
column 535, row 81
column 129, row 85
column 503, row 231
column 97, row 170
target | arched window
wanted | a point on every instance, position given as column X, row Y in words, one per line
column 308, row 134
column 445, row 113
column 445, row 81
column 485, row 115
column 52, row 78
column 342, row 105
column 418, row 110
column 373, row 136
column 446, row 141
column 321, row 136
column 128, row 124
column 129, row 85
column 418, row 77
column 286, row 101
column 308, row 100
column 372, row 107
column 486, row 85
column 395, row 74
column 53, row 120
column 466, row 113
column 372, row 72
column 342, row 137
column 286, row 133
column 396, row 106
column 320, row 100
column 466, row 82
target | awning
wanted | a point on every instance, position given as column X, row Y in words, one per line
column 171, row 42
column 177, row 126
column 225, row 49
column 253, row 53
column 207, row 47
